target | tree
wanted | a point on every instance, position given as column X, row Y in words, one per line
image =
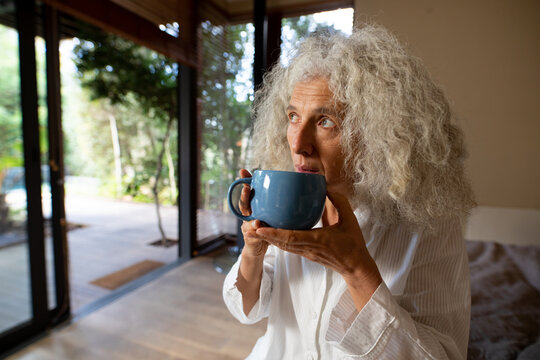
column 131, row 76
column 296, row 29
column 11, row 153
column 11, row 150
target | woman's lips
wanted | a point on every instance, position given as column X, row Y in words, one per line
column 306, row 169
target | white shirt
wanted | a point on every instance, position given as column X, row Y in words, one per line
column 420, row 311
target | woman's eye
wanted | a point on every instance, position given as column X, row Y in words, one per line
column 293, row 118
column 327, row 123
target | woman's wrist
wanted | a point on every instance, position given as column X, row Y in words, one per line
column 362, row 283
column 256, row 251
column 251, row 266
column 249, row 279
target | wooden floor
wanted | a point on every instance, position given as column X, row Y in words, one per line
column 180, row 315
column 115, row 235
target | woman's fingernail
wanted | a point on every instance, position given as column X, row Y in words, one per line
column 255, row 224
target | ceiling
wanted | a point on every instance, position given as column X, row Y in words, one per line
column 156, row 11
column 139, row 20
column 225, row 11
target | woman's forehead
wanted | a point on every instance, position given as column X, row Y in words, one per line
column 315, row 88
column 315, row 91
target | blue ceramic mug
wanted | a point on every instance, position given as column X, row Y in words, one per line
column 283, row 199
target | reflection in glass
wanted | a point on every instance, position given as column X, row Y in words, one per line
column 15, row 294
column 226, row 94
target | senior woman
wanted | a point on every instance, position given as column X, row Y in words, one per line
column 384, row 275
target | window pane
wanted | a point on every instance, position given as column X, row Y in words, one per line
column 226, row 94
column 15, row 293
column 120, row 143
column 295, row 29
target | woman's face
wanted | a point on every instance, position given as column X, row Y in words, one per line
column 314, row 132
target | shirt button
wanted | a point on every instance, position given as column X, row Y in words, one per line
column 314, row 316
column 310, row 357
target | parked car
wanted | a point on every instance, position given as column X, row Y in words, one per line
column 13, row 188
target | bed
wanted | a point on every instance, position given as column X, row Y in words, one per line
column 505, row 294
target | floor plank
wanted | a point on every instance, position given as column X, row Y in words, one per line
column 180, row 315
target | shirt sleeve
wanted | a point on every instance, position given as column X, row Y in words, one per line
column 430, row 320
column 233, row 297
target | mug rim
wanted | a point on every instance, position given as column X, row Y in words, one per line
column 285, row 172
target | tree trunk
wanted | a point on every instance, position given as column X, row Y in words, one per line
column 116, row 152
column 247, row 136
column 172, row 178
column 159, row 167
column 150, row 136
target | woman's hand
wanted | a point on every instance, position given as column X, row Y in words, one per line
column 251, row 266
column 340, row 247
column 254, row 246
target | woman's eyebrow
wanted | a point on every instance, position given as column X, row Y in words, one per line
column 326, row 110
column 322, row 110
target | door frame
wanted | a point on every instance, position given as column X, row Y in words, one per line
column 41, row 316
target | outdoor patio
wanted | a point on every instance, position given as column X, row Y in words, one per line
column 109, row 236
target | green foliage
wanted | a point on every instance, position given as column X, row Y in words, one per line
column 11, row 147
column 115, row 68
column 11, row 143
column 41, row 78
column 133, row 88
column 296, row 29
column 225, row 107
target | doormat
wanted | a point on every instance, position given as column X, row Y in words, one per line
column 122, row 277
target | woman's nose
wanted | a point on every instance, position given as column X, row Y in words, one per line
column 302, row 140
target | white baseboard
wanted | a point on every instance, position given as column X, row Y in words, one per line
column 504, row 225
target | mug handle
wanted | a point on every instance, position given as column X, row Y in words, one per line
column 229, row 199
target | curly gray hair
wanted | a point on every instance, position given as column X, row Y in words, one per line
column 403, row 153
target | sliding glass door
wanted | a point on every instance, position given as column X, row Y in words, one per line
column 30, row 253
column 15, row 292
